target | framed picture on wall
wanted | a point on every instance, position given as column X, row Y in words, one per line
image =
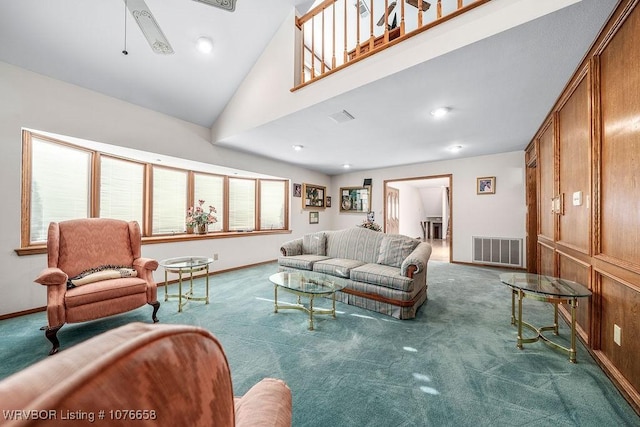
column 313, row 196
column 314, row 217
column 297, row 190
column 486, row 185
column 328, row 201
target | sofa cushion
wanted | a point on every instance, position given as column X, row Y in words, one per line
column 302, row 262
column 382, row 275
column 394, row 249
column 337, row 266
column 104, row 290
column 354, row 243
column 314, row 244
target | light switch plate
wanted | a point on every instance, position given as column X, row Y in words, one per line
column 577, row 198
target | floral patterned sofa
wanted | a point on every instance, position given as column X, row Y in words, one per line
column 386, row 273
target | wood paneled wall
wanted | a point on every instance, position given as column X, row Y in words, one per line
column 587, row 155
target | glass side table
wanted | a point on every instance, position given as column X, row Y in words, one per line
column 547, row 289
column 183, row 265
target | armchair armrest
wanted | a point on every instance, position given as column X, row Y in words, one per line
column 266, row 403
column 416, row 261
column 145, row 263
column 52, row 276
column 292, row 247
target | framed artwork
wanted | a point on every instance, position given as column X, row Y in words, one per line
column 486, row 185
column 313, row 196
column 371, row 216
column 297, row 190
column 355, row 199
column 328, row 201
column 314, row 217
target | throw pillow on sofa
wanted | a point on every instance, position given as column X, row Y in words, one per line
column 394, row 249
column 314, row 244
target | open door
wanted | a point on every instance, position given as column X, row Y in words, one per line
column 392, row 217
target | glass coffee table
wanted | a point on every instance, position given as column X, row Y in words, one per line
column 307, row 284
column 547, row 289
column 182, row 265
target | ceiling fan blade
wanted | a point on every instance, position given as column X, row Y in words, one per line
column 150, row 28
column 229, row 5
column 392, row 5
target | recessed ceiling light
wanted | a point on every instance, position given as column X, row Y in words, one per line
column 298, row 147
column 440, row 112
column 346, row 166
column 455, row 148
column 204, row 44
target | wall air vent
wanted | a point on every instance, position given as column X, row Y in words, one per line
column 497, row 251
column 341, row 117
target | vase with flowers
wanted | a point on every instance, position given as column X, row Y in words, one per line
column 198, row 218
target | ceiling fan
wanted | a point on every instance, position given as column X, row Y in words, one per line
column 150, row 28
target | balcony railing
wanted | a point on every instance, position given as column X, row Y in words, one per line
column 337, row 33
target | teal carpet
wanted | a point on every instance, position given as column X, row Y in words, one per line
column 456, row 364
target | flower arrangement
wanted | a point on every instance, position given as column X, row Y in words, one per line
column 197, row 216
column 370, row 225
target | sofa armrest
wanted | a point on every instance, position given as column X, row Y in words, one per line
column 267, row 403
column 292, row 247
column 416, row 261
column 52, row 276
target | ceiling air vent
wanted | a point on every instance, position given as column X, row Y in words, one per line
column 341, row 117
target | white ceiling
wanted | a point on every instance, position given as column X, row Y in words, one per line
column 499, row 89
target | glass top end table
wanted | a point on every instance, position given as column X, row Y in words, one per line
column 549, row 289
column 306, row 284
column 182, row 265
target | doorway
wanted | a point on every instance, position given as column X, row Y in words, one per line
column 421, row 207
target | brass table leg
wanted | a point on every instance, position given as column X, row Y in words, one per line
column 311, row 313
column 275, row 298
column 179, row 291
column 513, row 306
column 520, row 296
column 166, row 279
column 207, row 281
column 572, row 351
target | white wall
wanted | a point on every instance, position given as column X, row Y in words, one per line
column 33, row 101
column 411, row 208
column 498, row 215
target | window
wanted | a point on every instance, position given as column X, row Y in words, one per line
column 60, row 182
column 121, row 189
column 272, row 204
column 64, row 181
column 210, row 188
column 169, row 200
column 242, row 203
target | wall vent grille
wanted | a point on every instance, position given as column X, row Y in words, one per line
column 497, row 251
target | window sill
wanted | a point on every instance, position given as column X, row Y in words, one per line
column 182, row 237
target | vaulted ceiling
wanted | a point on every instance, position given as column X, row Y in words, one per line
column 499, row 88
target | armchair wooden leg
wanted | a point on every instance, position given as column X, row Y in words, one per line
column 156, row 306
column 51, row 334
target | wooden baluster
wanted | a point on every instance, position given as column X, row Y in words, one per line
column 371, row 37
column 460, row 5
column 333, row 55
column 402, row 18
column 302, row 76
column 386, row 20
column 345, row 32
column 358, row 30
column 419, row 13
column 439, row 9
column 313, row 47
column 322, row 67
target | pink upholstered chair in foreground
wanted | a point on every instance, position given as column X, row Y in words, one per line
column 102, row 256
column 143, row 375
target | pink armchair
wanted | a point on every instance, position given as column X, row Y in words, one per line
column 143, row 375
column 80, row 245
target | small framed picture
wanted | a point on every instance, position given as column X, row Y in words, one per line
column 297, row 190
column 371, row 216
column 314, row 217
column 328, row 201
column 486, row 185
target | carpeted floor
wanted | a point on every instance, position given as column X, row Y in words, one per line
column 456, row 364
